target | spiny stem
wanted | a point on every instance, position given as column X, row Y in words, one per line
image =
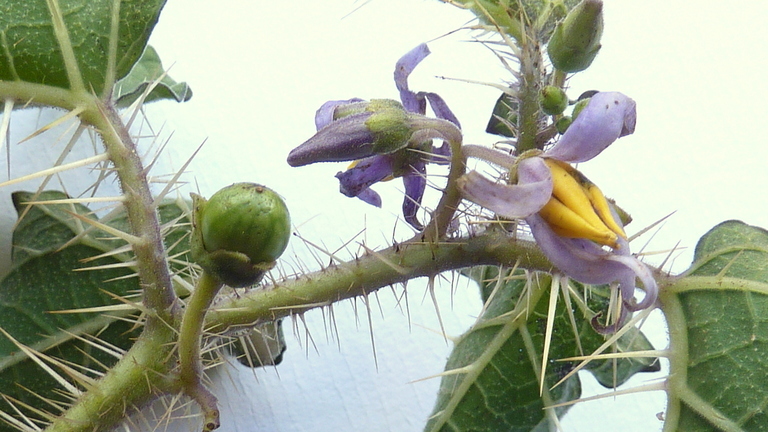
column 191, row 366
column 370, row 272
column 528, row 96
column 130, row 384
column 152, row 266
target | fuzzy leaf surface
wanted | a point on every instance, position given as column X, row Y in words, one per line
column 33, row 53
column 727, row 331
column 500, row 391
column 504, row 395
column 43, row 280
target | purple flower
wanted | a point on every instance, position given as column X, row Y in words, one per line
column 386, row 139
column 569, row 217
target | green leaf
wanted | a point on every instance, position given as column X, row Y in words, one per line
column 498, row 389
column 44, row 280
column 503, row 120
column 611, row 373
column 144, row 73
column 32, row 51
column 725, row 356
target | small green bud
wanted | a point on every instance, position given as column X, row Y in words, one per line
column 553, row 100
column 576, row 39
column 239, row 233
column 580, row 105
column 389, row 124
column 562, row 124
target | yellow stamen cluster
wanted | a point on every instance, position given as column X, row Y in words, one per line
column 578, row 209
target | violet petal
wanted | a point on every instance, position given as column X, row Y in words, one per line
column 415, row 182
column 511, row 201
column 607, row 116
column 371, row 197
column 405, row 65
column 441, row 108
column 345, row 139
column 324, row 114
column 367, row 172
column 580, row 259
column 586, row 262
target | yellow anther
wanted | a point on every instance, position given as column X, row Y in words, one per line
column 578, row 209
column 600, row 203
column 567, row 223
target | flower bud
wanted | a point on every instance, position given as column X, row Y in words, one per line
column 576, row 40
column 580, row 105
column 562, row 124
column 553, row 100
column 239, row 233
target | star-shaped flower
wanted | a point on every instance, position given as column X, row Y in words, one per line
column 384, row 138
column 570, row 219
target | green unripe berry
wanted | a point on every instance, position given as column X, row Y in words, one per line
column 553, row 100
column 562, row 124
column 580, row 105
column 240, row 232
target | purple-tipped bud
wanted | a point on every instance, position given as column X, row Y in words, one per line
column 380, row 126
column 342, row 140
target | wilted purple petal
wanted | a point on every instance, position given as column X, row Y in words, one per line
column 586, row 262
column 405, row 65
column 628, row 285
column 415, row 182
column 367, row 172
column 511, row 201
column 345, row 139
column 371, row 197
column 607, row 116
column 441, row 108
column 324, row 114
column 580, row 259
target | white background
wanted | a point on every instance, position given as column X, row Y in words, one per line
column 260, row 69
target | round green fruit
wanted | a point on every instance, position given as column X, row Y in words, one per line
column 245, row 218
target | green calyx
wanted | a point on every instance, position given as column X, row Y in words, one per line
column 389, row 124
column 576, row 40
column 240, row 232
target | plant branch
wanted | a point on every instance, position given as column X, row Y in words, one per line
column 396, row 264
column 190, row 360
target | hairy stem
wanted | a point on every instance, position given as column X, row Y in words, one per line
column 449, row 203
column 529, row 113
column 190, row 361
column 152, row 267
column 130, row 384
column 399, row 263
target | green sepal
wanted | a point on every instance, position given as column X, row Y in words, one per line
column 389, row 124
column 553, row 100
